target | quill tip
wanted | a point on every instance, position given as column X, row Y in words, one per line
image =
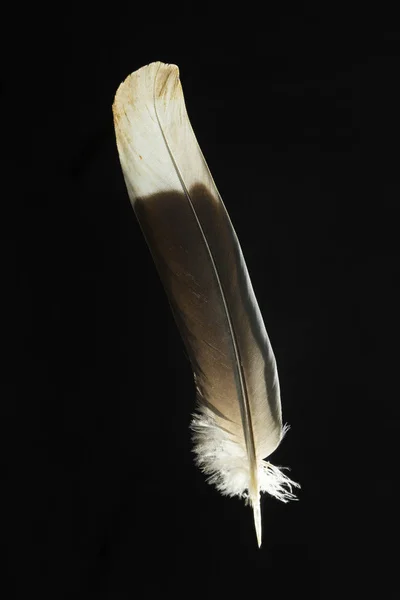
column 257, row 518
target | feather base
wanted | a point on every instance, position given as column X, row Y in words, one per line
column 226, row 464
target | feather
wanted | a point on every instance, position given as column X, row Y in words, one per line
column 238, row 420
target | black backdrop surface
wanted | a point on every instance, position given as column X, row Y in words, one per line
column 298, row 118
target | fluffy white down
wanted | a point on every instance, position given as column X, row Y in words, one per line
column 226, row 464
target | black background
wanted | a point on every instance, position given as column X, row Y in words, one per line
column 298, row 117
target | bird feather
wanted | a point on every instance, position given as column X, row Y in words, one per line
column 238, row 420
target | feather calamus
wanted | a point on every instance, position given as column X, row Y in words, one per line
column 238, row 421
